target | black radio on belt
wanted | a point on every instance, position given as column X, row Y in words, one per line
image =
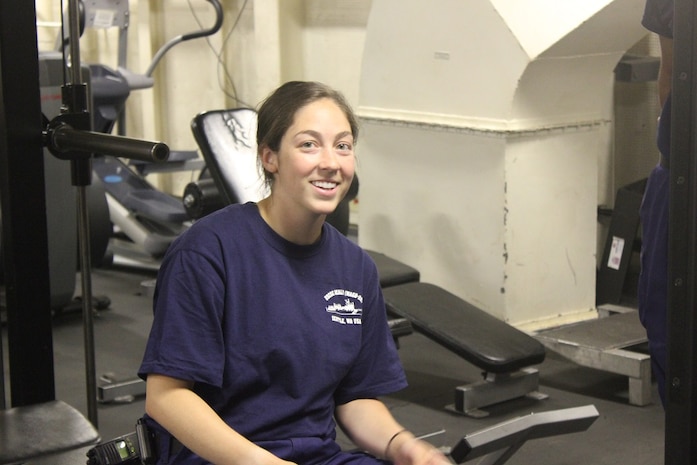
column 122, row 450
column 132, row 449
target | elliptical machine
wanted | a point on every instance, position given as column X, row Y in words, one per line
column 146, row 220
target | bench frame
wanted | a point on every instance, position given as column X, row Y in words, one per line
column 496, row 388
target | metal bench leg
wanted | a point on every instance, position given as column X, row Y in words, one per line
column 640, row 386
column 496, row 388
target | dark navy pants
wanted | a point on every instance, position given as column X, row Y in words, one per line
column 653, row 280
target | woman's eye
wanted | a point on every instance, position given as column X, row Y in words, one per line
column 344, row 146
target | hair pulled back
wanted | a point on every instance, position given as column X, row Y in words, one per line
column 277, row 113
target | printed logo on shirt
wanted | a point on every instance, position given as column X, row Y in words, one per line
column 345, row 307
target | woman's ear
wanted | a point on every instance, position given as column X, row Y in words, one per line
column 269, row 159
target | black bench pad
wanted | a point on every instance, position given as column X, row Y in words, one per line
column 462, row 328
column 399, row 327
column 391, row 271
column 38, row 430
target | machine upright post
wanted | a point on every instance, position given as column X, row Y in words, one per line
column 681, row 389
column 22, row 191
column 75, row 102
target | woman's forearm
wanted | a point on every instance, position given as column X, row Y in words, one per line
column 665, row 72
column 371, row 426
column 187, row 417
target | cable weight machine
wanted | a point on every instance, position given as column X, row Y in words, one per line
column 68, row 137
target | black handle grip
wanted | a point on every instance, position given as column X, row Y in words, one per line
column 65, row 139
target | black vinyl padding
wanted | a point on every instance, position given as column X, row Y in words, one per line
column 393, row 272
column 227, row 139
column 399, row 327
column 462, row 328
column 39, row 430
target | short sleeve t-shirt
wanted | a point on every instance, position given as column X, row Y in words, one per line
column 658, row 17
column 274, row 335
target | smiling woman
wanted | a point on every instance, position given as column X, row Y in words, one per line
column 310, row 172
column 270, row 325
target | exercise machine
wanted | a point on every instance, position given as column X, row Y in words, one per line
column 147, row 219
column 505, row 354
column 61, row 209
column 38, row 425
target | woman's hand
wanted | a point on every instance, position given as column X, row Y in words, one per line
column 409, row 450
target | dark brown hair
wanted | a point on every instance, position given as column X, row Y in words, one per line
column 277, row 112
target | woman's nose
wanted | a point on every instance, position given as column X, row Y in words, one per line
column 328, row 159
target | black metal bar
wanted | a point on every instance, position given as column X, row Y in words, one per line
column 74, row 102
column 22, row 192
column 3, row 402
column 681, row 410
column 74, row 36
column 87, row 320
column 68, row 137
column 190, row 36
column 65, row 139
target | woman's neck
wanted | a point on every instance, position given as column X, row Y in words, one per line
column 298, row 229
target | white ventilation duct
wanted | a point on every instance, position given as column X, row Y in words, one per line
column 483, row 124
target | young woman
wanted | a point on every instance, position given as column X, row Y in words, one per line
column 269, row 325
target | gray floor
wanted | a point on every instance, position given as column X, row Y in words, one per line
column 622, row 433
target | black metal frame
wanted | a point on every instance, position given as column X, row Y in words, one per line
column 23, row 135
column 22, row 193
column 681, row 413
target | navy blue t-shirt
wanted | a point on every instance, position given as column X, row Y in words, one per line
column 273, row 334
column 658, row 17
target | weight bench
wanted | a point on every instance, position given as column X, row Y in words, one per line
column 41, row 430
column 505, row 353
column 391, row 273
